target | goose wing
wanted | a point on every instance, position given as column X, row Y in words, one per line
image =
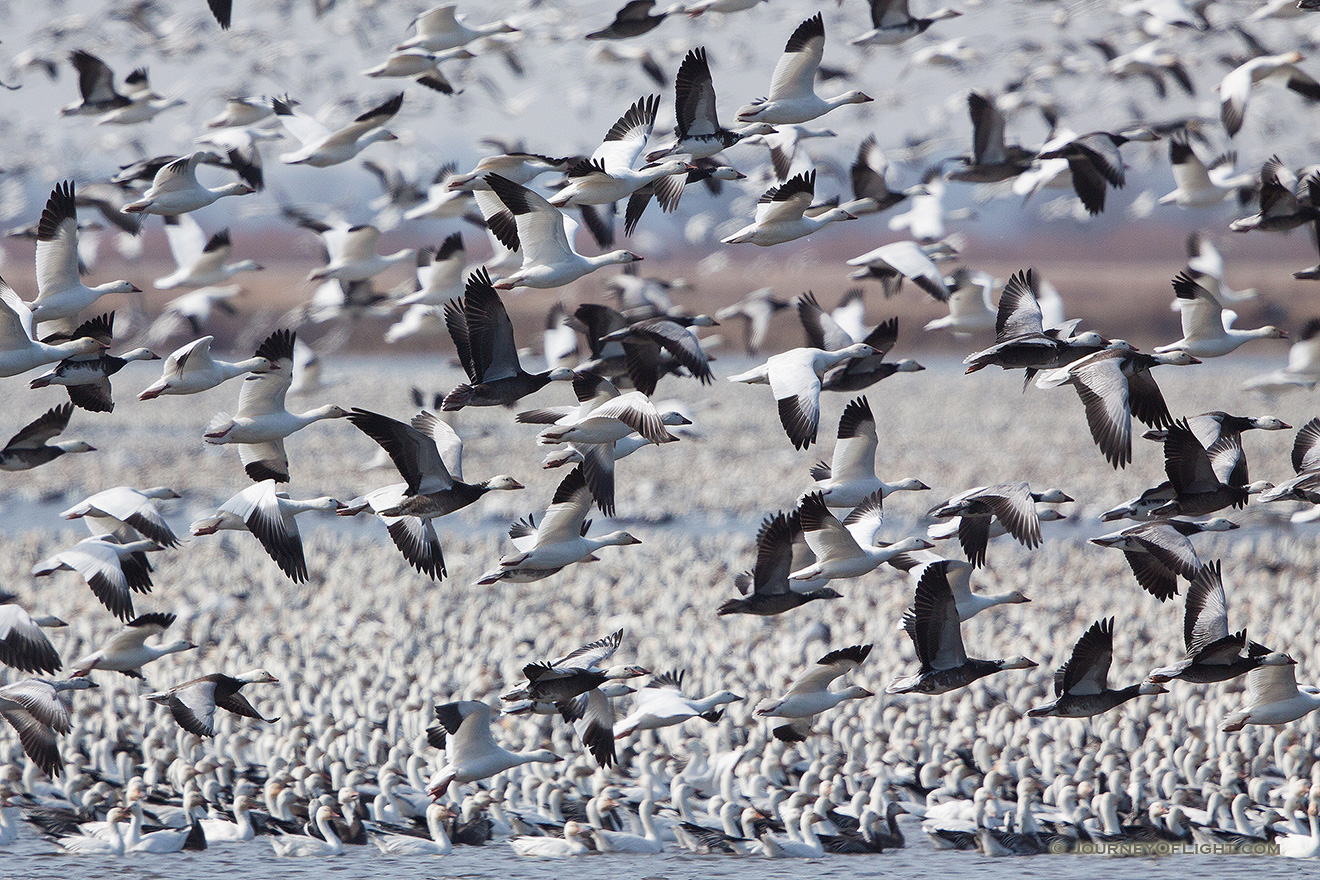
column 1305, row 451
column 417, row 541
column 446, row 439
column 413, row 452
column 373, row 118
column 489, row 331
column 540, row 225
column 823, row 332
column 1189, row 172
column 788, row 201
column 27, row 711
column 307, row 129
column 636, row 411
column 863, row 523
column 467, row 723
column 100, row 567
column 16, row 331
column 47, row 426
column 136, row 632
column 1271, row 684
column 1206, row 619
column 825, row 535
column 96, row 81
column 22, row 643
column 179, row 174
column 1202, row 315
column 933, row 624
column 987, row 130
column 1013, row 506
column 596, row 714
column 186, row 240
column 195, row 357
column 265, row 461
column 1234, row 91
column 57, row 242
column 1186, row 463
column 795, row 73
column 1105, row 394
column 626, row 139
column 796, row 388
column 134, row 508
column 193, row 706
column 1019, row 309
column 262, row 394
column 1087, row 670
column 889, row 13
column 567, row 511
column 774, row 557
column 834, row 664
column 694, row 97
column 592, row 654
column 259, row 508
column 909, row 260
column 854, row 452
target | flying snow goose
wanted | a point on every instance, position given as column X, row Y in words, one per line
column 143, row 103
column 127, row 513
column 422, row 66
column 933, row 624
column 521, row 168
column 539, row 232
column 608, row 418
column 859, row 373
column 471, row 753
column 86, row 377
column 483, row 334
column 1199, row 185
column 1206, row 266
column 698, row 132
column 60, row 291
column 1081, row 686
column 421, row 451
column 1302, row 370
column 1012, row 504
column 852, row 477
column 1158, row 552
column 970, row 306
column 648, row 342
column 19, row 349
column 439, row 273
column 561, row 539
column 241, row 112
column 353, row 256
column 111, row 569
column 191, row 370
column 992, row 160
column 959, row 577
column 270, row 516
column 1205, row 325
column 1021, row 338
column 193, row 703
column 96, row 86
column 780, row 550
column 662, row 703
column 414, row 536
column 262, row 422
column 1305, row 486
column 1197, row 487
column 909, row 260
column 1235, row 88
column 794, row 378
column 892, row 23
column 1273, row 697
column 633, row 20
column 201, row 261
column 810, row 695
column 1094, row 162
column 22, row 643
column 755, row 309
column 29, row 447
column 443, row 200
column 1213, row 654
column 1283, row 205
column 780, row 214
column 793, row 95
column 439, row 28
column 128, row 651
column 322, row 147
column 39, row 710
column 846, row 549
column 576, row 673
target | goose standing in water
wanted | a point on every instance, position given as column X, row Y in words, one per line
column 771, row 591
column 573, row 843
column 483, row 334
column 79, row 844
column 810, row 695
column 794, row 378
column 111, row 569
column 933, row 625
column 192, row 370
column 1081, row 686
column 1206, row 333
column 128, row 651
column 262, row 421
column 322, row 147
column 175, row 190
column 1158, row 552
column 60, row 291
column 892, row 23
column 39, row 710
column 287, row 845
column 647, row 843
column 406, row 844
column 851, row 479
column 29, row 447
column 1213, row 654
column 793, row 97
column 126, row 513
column 781, row 214
column 22, row 643
column 270, row 516
column 471, row 752
column 193, row 703
column 847, row 549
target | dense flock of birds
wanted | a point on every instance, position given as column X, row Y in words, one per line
column 356, row 764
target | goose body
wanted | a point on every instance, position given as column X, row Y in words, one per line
column 224, row 831
column 781, row 549
column 193, row 703
column 39, row 710
column 793, row 97
column 128, row 651
column 111, row 569
column 175, row 189
column 794, row 378
column 403, row 844
column 571, row 844
column 1158, row 552
column 851, row 479
column 470, row 750
column 30, row 448
column 60, row 291
column 810, row 695
column 1081, row 686
column 781, row 214
column 662, row 704
column 846, row 549
column 353, row 254
column 201, row 262
column 291, row 845
column 440, row 28
column 192, row 370
column 892, row 23
column 1205, row 333
column 322, row 147
column 270, row 516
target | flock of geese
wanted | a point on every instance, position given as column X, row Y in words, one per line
column 815, row 780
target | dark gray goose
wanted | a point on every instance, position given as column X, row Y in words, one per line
column 698, row 131
column 1021, row 340
column 646, row 343
column 825, row 333
column 1283, row 204
column 22, row 643
column 575, row 673
column 86, row 377
column 30, row 448
column 1213, row 654
column 633, row 20
column 1190, row 467
column 1081, row 686
column 768, row 580
column 1158, row 552
column 1210, row 426
column 193, row 703
column 871, row 192
column 755, row 309
column 1013, row 504
column 483, row 334
column 1305, row 485
column 1094, row 162
column 40, row 710
column 934, row 626
column 992, row 160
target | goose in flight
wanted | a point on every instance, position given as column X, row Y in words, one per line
column 30, row 447
column 698, row 132
column 970, row 307
column 1283, row 204
column 60, row 291
column 905, row 259
column 756, row 310
column 1012, row 504
column 1207, row 330
column 322, row 147
column 22, row 643
column 262, row 422
column 1197, row 489
column 421, row 66
column 39, row 710
column 193, row 703
column 1302, row 369
column 933, row 624
column 175, row 189
column 781, row 549
column 852, row 477
column 992, row 160
column 96, row 86
column 781, row 214
column 810, row 695
column 352, row 253
column 646, row 343
column 200, row 261
column 1158, row 552
column 1273, row 697
column 662, row 703
column 128, row 651
column 827, row 333
column 1201, row 185
column 471, row 752
column 1305, row 485
column 793, row 97
column 112, row 570
column 1081, row 686
column 440, row 28
column 192, row 370
column 143, row 103
column 126, row 513
column 846, row 549
column 1094, row 163
column 1235, row 88
column 414, row 536
column 86, row 377
column 892, row 23
column 269, row 515
column 1021, row 339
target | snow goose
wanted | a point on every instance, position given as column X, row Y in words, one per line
column 191, row 369
column 1283, row 207
column 1304, row 845
column 483, row 334
column 908, row 260
column 647, row 343
column 793, row 95
column 662, row 703
column 648, row 842
column 794, row 378
column 633, row 20
column 808, row 847
column 1114, row 385
column 29, row 447
column 1081, row 687
column 1021, row 339
column 201, row 261
column 855, row 374
column 1273, row 697
column 353, row 256
column 959, row 577
column 608, row 174
column 1206, row 266
column 1305, row 486
column 1206, row 327
column 86, row 377
column 933, row 625
column 771, row 591
column 471, row 753
column 606, row 417
column 262, row 422
column 1158, row 552
column 439, row 273
column 573, row 843
column 1012, row 504
column 561, row 538
column 241, row 112
column 991, row 160
column 846, row 549
column 414, row 536
column 521, row 168
column 892, row 23
column 852, row 478
column 810, row 695
column 444, row 201
column 270, row 516
column 96, row 86
column 22, row 643
column 126, row 513
column 1197, row 487
column 1094, row 161
column 293, row 845
column 698, row 132
column 128, row 651
column 143, row 103
column 224, row 831
column 1199, row 185
column 970, row 306
column 85, row 845
column 780, row 214
column 39, row 710
column 193, row 703
column 175, row 189
column 406, row 844
column 112, row 570
column 1212, row 653
column 1235, row 88
column 422, row 66
column 322, row 147
column 193, row 310
column 167, row 840
column 539, row 230
column 756, row 310
column 439, row 28
column 60, row 291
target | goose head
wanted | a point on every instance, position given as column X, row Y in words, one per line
column 1053, row 496
column 329, row 411
column 1269, row 332
column 911, row 485
column 1175, row 359
column 1269, row 423
column 856, row 692
column 1258, row 486
column 140, row 354
column 724, row 697
column 1050, row 515
column 856, row 350
column 257, row 676
column 1015, row 597
column 1017, row 662
column 234, row 189
column 176, row 646
column 378, row 134
column 623, row 671
column 1089, row 339
column 68, row 446
column 114, row 287
column 909, row 545
column 561, row 374
column 616, row 258
column 853, row 97
column 1218, row 524
column 74, row 684
column 1150, row 688
column 504, row 481
column 619, row 539
column 160, row 492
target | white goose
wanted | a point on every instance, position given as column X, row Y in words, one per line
column 291, row 845
column 970, row 307
column 60, row 291
column 126, row 513
column 1199, row 185
column 406, row 844
column 175, row 189
column 19, row 349
column 322, row 147
column 192, row 370
column 1274, row 697
column 959, row 576
column 810, row 695
column 793, row 95
column 86, row 845
column 262, row 422
column 846, row 549
column 224, row 831
column 439, row 28
column 111, row 569
column 1205, row 324
column 781, row 217
column 420, row 65
column 648, row 842
column 353, row 254
column 440, row 277
column 809, row 847
column 851, row 479
column 444, row 201
column 1235, row 88
column 128, row 651
column 470, row 750
column 39, row 710
column 269, row 515
column 662, row 704
column 200, row 261
column 22, row 643
column 571, row 844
